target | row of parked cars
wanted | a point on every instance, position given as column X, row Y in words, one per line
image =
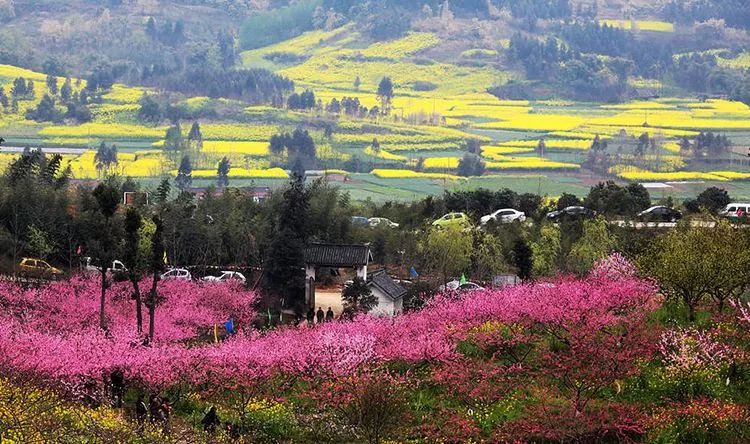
column 658, row 213
column 41, row 269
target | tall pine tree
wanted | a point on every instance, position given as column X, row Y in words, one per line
column 284, row 277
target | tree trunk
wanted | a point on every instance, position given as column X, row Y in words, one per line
column 138, row 308
column 152, row 306
column 102, row 315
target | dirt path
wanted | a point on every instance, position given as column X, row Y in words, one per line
column 329, row 298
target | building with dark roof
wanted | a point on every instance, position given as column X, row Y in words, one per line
column 390, row 294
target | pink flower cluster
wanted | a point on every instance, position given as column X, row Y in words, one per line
column 688, row 349
column 53, row 332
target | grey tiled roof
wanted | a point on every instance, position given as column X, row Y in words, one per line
column 384, row 283
column 333, row 255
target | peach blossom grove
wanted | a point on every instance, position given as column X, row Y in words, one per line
column 540, row 361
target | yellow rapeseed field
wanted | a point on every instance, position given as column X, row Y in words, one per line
column 732, row 175
column 403, row 47
column 537, row 122
column 104, row 131
column 232, row 131
column 409, row 174
column 383, row 154
column 244, row 173
column 642, row 25
column 637, row 174
column 238, row 147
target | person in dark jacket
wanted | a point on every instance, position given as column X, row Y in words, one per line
column 329, row 315
column 154, row 408
column 310, row 317
column 210, row 421
column 117, row 380
column 141, row 411
column 320, row 315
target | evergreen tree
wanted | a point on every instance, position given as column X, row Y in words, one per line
column 184, row 177
column 150, row 110
column 45, row 111
column 385, row 94
column 66, row 91
column 541, row 147
column 283, row 275
column 105, row 156
column 195, row 139
column 357, row 298
column 52, row 84
column 163, row 190
column 18, row 90
column 357, row 83
column 522, row 257
column 4, row 99
column 223, row 172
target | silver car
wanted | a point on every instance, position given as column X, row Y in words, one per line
column 504, row 216
column 177, row 274
column 226, row 276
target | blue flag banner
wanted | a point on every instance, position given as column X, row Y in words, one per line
column 413, row 273
column 229, row 325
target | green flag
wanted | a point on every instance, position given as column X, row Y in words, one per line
column 463, row 279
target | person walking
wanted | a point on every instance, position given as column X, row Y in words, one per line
column 320, row 315
column 141, row 411
column 329, row 315
column 165, row 410
column 154, row 408
column 310, row 317
column 210, row 421
column 117, row 382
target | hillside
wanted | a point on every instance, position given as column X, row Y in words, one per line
column 538, row 98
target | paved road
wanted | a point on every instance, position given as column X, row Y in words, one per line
column 50, row 150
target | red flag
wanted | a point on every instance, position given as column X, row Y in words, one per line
column 78, row 250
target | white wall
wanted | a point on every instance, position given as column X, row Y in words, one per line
column 386, row 306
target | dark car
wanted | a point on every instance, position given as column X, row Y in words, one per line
column 660, row 213
column 571, row 213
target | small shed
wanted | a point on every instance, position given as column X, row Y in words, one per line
column 389, row 293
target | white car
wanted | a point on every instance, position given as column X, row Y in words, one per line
column 226, row 276
column 117, row 267
column 504, row 216
column 455, row 285
column 381, row 221
column 178, row 274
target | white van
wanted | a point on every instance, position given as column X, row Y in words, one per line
column 736, row 210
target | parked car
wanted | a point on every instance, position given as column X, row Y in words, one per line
column 469, row 287
column 736, row 211
column 659, row 213
column 381, row 222
column 117, row 266
column 453, row 219
column 179, row 274
column 227, row 276
column 38, row 268
column 456, row 285
column 504, row 216
column 359, row 220
column 571, row 213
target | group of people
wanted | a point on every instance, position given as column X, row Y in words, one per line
column 319, row 317
column 158, row 410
